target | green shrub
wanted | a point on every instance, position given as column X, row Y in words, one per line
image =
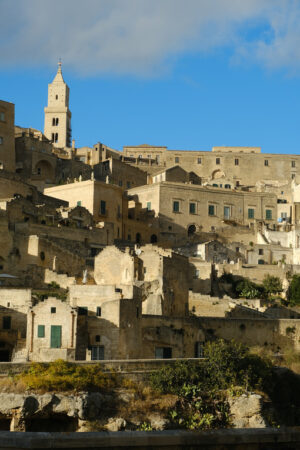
column 64, row 376
column 272, row 285
column 293, row 294
column 201, row 386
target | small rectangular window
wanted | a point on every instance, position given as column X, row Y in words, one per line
column 120, row 183
column 211, row 210
column 2, row 116
column 79, row 203
column 163, row 352
column 218, row 160
column 83, row 311
column 266, row 162
column 293, row 176
column 98, row 311
column 128, row 184
column 236, row 162
column 176, row 206
column 268, row 214
column 199, row 161
column 41, row 331
column 1, row 140
column 192, row 208
column 250, row 213
column 97, row 338
column 6, row 322
column 176, row 159
column 149, row 206
column 293, row 163
column 53, row 310
column 260, row 251
column 102, row 207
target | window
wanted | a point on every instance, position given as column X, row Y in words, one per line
column 199, row 349
column 218, row 160
column 97, row 338
column 149, row 156
column 1, row 140
column 53, row 310
column 261, row 261
column 211, row 210
column 227, row 186
column 197, row 273
column 128, row 184
column 237, row 249
column 6, row 323
column 41, row 331
column 56, row 97
column 176, row 206
column 137, row 312
column 293, row 176
column 199, row 161
column 42, row 256
column 266, row 162
column 176, row 159
column 163, row 352
column 236, row 162
column 260, row 251
column 102, row 207
column 97, row 353
column 293, row 163
column 250, row 213
column 82, row 311
column 149, row 206
column 98, row 311
column 2, row 116
column 268, row 214
column 120, row 183
column 226, row 212
column 192, row 208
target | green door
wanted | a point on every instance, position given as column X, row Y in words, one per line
column 55, row 336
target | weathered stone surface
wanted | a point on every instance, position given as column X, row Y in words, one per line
column 246, row 411
column 116, row 424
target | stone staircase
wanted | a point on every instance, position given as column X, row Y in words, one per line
column 20, row 352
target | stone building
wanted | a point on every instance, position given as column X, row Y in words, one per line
column 52, row 331
column 228, row 162
column 7, row 138
column 183, row 210
column 57, row 114
column 14, row 304
column 104, row 201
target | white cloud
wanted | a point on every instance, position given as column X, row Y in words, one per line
column 141, row 37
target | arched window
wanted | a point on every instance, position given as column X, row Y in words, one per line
column 153, row 239
column 227, row 186
column 215, row 185
column 191, row 230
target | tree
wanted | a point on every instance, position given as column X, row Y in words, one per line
column 248, row 289
column 272, row 285
column 293, row 293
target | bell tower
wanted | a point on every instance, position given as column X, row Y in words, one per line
column 57, row 114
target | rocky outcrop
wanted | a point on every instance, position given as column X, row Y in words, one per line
column 246, row 411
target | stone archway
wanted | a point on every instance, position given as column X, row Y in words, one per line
column 192, row 229
column 217, row 174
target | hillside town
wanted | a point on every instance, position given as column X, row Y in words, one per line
column 145, row 253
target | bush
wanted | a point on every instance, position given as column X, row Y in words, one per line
column 272, row 285
column 200, row 386
column 293, row 294
column 248, row 289
column 64, row 376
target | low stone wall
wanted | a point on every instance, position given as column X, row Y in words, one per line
column 252, row 439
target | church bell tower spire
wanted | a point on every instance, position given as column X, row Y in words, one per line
column 57, row 114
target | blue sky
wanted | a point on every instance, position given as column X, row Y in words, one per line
column 188, row 74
